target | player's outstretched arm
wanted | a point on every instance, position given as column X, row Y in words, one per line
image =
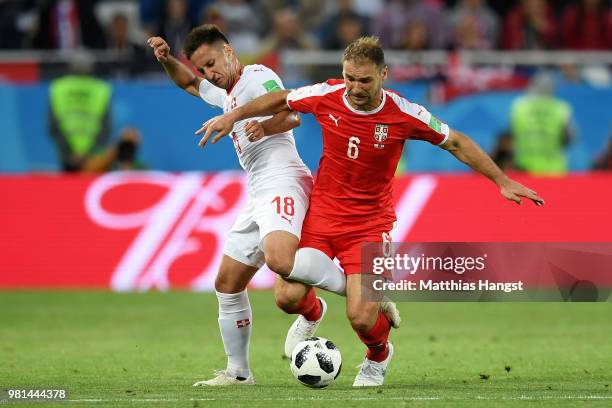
column 180, row 74
column 279, row 123
column 268, row 104
column 467, row 151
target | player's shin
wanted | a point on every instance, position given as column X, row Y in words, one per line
column 314, row 268
column 235, row 325
column 375, row 338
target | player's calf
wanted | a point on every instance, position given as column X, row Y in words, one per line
column 235, row 319
column 300, row 299
column 288, row 294
column 367, row 319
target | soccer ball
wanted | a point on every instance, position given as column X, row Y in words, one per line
column 316, row 362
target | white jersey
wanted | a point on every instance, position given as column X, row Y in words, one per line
column 272, row 161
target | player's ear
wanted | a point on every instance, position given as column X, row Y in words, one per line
column 383, row 73
column 229, row 51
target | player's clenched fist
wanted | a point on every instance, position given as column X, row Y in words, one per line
column 161, row 49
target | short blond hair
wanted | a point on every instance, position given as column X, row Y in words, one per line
column 365, row 48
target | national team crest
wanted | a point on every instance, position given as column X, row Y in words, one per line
column 381, row 133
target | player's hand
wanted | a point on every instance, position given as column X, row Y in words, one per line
column 161, row 49
column 223, row 125
column 513, row 191
column 254, row 131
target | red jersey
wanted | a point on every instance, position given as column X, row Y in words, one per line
column 361, row 149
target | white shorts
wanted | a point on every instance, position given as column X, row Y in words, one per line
column 281, row 209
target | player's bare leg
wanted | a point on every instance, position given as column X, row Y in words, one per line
column 279, row 248
column 234, row 322
column 372, row 326
column 306, row 265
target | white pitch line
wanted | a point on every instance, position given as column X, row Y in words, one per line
column 382, row 398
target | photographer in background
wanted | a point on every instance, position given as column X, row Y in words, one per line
column 120, row 156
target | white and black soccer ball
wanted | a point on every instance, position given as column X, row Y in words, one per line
column 316, row 362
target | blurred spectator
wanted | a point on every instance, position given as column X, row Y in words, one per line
column 541, row 128
column 474, row 24
column 175, row 23
column 529, row 26
column 503, row 153
column 348, row 28
column 152, row 13
column 212, row 15
column 342, row 26
column 397, row 16
column 287, row 35
column 240, row 24
column 122, row 155
column 12, row 18
column 500, row 7
column 587, row 26
column 136, row 59
column 79, row 110
column 67, row 24
column 414, row 37
column 310, row 13
column 368, row 8
column 604, row 162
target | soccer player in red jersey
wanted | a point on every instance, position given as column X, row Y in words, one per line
column 364, row 130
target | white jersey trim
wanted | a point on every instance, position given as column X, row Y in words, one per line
column 446, row 132
column 309, row 91
column 371, row 112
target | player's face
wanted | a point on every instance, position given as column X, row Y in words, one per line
column 214, row 62
column 363, row 82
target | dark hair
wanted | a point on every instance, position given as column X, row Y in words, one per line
column 365, row 48
column 204, row 34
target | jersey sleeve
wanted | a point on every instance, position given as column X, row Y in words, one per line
column 211, row 94
column 420, row 124
column 306, row 98
column 263, row 80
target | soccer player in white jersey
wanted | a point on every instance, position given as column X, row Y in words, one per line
column 279, row 186
column 364, row 129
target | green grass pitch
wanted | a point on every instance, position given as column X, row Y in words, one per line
column 146, row 350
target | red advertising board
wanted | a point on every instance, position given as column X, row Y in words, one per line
column 153, row 230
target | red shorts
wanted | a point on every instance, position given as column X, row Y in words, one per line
column 337, row 239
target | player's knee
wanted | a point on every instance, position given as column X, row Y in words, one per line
column 279, row 262
column 225, row 284
column 362, row 318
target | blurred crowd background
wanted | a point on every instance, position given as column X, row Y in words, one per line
column 529, row 79
column 257, row 27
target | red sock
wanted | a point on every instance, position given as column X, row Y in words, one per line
column 309, row 307
column 376, row 339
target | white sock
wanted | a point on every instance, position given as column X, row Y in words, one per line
column 235, row 320
column 314, row 268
